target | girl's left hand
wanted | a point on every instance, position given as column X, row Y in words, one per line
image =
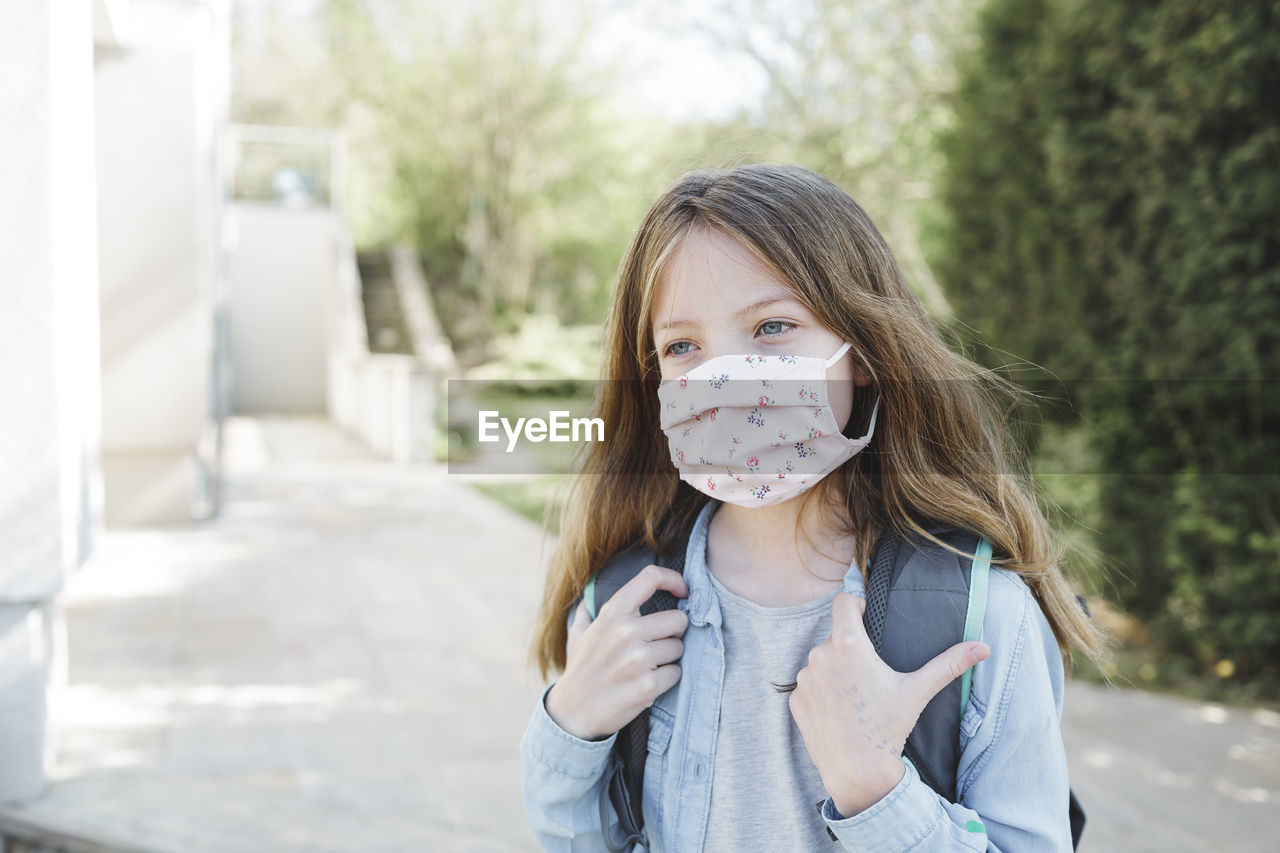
column 855, row 712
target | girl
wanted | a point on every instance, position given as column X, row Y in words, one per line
column 770, row 282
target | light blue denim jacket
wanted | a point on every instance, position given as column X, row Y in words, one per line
column 1011, row 782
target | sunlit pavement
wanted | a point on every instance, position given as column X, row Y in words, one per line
column 1158, row 773
column 338, row 663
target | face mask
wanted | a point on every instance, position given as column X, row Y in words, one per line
column 755, row 430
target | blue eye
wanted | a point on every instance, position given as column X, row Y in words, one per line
column 777, row 327
column 678, row 348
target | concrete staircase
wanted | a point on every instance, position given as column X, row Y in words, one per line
column 383, row 313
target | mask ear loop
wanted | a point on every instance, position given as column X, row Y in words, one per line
column 839, row 355
column 871, row 427
column 875, row 410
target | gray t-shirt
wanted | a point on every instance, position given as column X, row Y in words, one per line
column 765, row 789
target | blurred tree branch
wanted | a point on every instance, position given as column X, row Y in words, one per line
column 857, row 91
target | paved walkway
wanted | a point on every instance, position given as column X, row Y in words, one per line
column 337, row 664
column 1157, row 773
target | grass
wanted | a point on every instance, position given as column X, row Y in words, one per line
column 529, row 496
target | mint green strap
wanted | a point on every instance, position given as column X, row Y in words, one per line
column 977, row 606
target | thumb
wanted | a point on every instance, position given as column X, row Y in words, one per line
column 948, row 666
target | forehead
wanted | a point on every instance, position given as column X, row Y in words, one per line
column 709, row 270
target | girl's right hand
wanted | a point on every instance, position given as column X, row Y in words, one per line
column 617, row 664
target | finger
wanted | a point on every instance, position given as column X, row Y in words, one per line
column 663, row 623
column 666, row 651
column 846, row 618
column 637, row 590
column 947, row 667
column 818, row 651
column 664, row 678
column 847, row 607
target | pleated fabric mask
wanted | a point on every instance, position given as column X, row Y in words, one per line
column 755, row 430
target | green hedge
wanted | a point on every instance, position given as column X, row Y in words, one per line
column 1112, row 192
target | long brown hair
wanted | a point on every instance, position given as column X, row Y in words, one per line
column 942, row 451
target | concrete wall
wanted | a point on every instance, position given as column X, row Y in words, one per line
column 387, row 400
column 50, row 489
column 281, row 271
column 161, row 100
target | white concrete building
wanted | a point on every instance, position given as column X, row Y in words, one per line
column 161, row 93
column 140, row 304
column 109, row 115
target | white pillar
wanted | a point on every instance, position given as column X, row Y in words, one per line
column 162, row 99
column 50, row 482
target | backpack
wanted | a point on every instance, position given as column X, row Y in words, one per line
column 933, row 747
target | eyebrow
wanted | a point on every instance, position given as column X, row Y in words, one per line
column 741, row 315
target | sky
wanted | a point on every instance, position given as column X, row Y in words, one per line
column 668, row 71
column 679, row 75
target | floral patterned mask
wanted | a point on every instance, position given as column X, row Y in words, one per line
column 755, row 430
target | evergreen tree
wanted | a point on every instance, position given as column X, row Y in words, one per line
column 1113, row 197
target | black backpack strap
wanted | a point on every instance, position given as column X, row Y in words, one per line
column 891, row 556
column 1076, row 813
column 624, row 779
column 918, row 597
column 879, row 583
column 629, row 818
